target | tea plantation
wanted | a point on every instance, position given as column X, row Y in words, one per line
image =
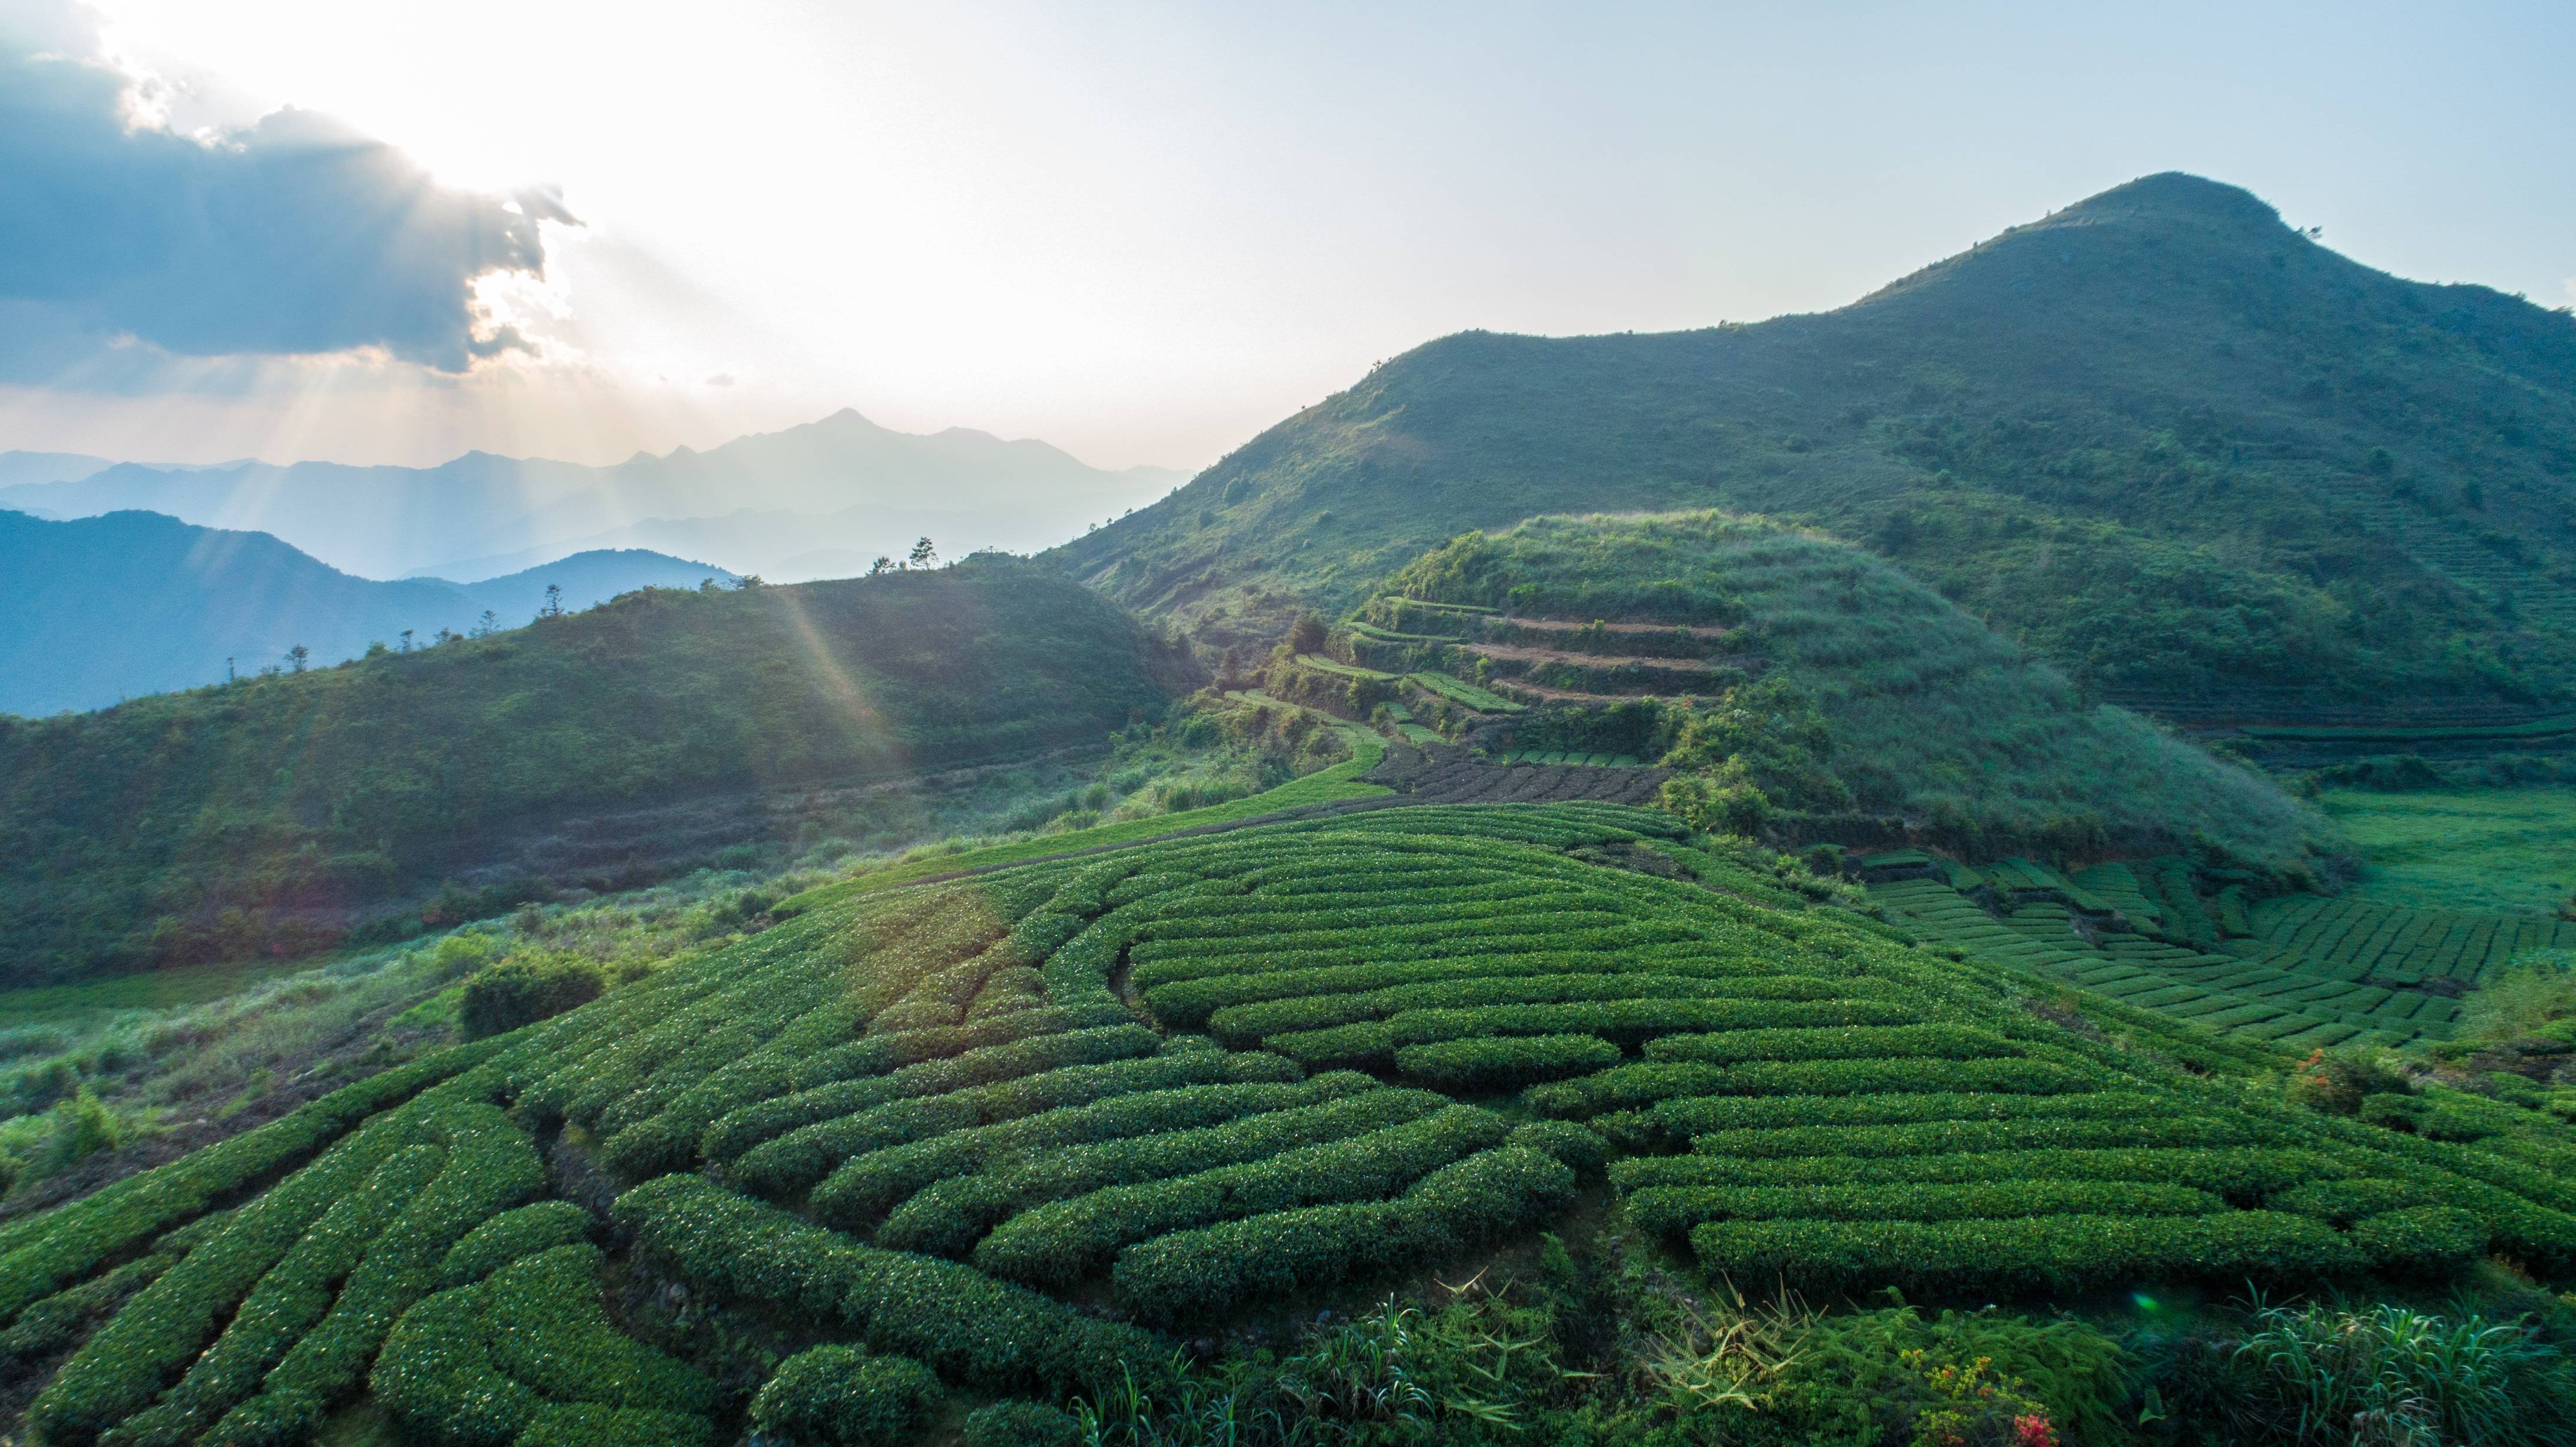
column 1861, row 703
column 1020, row 1134
column 2303, row 970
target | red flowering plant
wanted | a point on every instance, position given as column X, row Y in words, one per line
column 1977, row 1406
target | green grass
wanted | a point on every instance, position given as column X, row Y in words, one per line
column 2508, row 849
column 151, row 990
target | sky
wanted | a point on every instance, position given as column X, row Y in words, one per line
column 390, row 232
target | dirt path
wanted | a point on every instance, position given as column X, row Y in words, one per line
column 1567, row 695
column 1522, row 652
column 1665, row 630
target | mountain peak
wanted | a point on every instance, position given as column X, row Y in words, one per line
column 2180, row 194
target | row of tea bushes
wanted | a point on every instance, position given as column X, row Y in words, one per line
column 965, row 1325
column 40, row 1255
column 273, row 1319
column 527, row 1356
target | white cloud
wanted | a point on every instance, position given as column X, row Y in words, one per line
column 291, row 237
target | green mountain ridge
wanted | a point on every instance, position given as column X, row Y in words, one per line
column 2165, row 440
column 269, row 816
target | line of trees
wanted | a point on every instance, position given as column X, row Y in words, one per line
column 924, row 555
column 300, row 658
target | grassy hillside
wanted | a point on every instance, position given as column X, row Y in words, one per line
column 1921, row 715
column 274, row 813
column 2170, row 443
column 901, row 1144
column 2463, row 848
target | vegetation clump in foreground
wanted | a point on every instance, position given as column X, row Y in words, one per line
column 1218, row 1083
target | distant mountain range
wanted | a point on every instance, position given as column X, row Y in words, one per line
column 108, row 608
column 818, row 500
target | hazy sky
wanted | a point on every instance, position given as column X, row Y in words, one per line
column 1143, row 231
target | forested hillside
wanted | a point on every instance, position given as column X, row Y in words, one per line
column 2163, row 437
column 276, row 812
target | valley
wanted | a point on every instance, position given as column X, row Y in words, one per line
column 1991, row 866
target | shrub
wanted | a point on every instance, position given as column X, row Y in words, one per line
column 2422, row 1239
column 1673, row 1210
column 166, row 1329
column 1892, row 1376
column 800, row 1158
column 1505, row 1062
column 1192, row 1272
column 964, row 1324
column 288, row 1301
column 1584, row 1151
column 59, row 1319
column 743, row 1130
column 39, row 1256
column 2241, row 1175
column 2337, row 1082
column 1064, row 1241
column 1946, row 1136
column 949, row 1217
column 530, row 1349
column 489, row 1167
column 76, row 1129
column 2418, row 1377
column 1860, row 1042
column 1613, row 1019
column 511, row 1235
column 589, row 1424
column 2025, row 1255
column 1708, row 1114
column 2340, row 1203
column 864, row 1188
column 523, row 989
column 845, row 1397
column 1315, row 1010
column 1022, row 1424
column 2535, row 992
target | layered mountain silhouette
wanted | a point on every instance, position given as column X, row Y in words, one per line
column 2160, row 436
column 482, row 512
column 107, row 608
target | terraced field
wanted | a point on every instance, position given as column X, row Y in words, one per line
column 1462, row 693
column 1190, row 1078
column 2302, row 971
